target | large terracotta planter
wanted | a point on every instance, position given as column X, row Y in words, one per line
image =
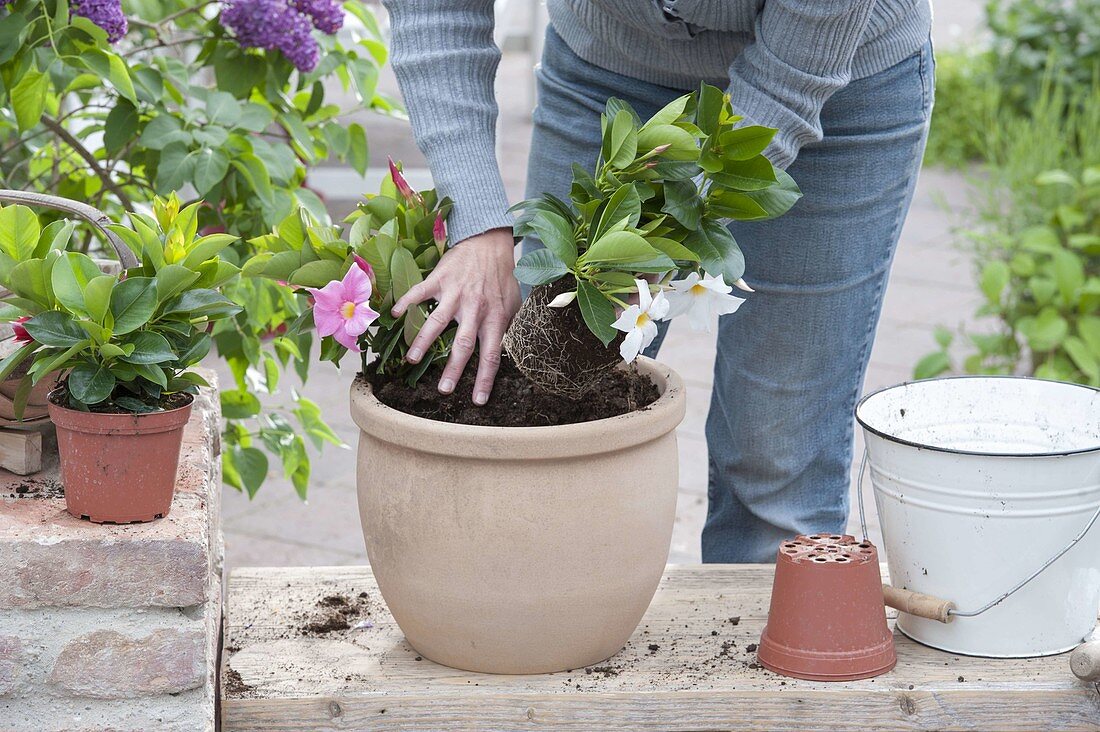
column 519, row 549
column 119, row 468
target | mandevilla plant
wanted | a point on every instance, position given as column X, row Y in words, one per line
column 657, row 205
column 113, row 102
column 394, row 239
column 123, row 341
column 1044, row 292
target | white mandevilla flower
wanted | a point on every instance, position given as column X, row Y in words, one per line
column 702, row 298
column 639, row 322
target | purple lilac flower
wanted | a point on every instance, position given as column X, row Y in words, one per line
column 327, row 15
column 283, row 25
column 107, row 14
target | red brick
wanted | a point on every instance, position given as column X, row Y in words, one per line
column 106, row 664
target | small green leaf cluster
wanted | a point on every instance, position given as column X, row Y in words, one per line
column 120, row 341
column 1043, row 289
column 398, row 235
column 657, row 203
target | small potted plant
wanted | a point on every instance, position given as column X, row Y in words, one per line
column 122, row 344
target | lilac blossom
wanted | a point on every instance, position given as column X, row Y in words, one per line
column 327, row 15
column 283, row 25
column 107, row 14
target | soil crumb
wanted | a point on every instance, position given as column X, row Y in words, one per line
column 234, row 684
column 37, row 488
column 335, row 613
column 515, row 401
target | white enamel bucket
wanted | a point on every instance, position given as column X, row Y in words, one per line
column 979, row 481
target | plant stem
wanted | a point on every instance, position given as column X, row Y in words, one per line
column 89, row 158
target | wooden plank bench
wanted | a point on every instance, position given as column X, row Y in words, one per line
column 316, row 649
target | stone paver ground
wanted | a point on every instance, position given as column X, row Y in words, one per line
column 930, row 284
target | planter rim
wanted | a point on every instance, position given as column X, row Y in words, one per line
column 118, row 424
column 524, row 443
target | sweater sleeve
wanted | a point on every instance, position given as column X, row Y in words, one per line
column 445, row 60
column 801, row 56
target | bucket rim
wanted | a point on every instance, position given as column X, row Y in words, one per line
column 978, row 453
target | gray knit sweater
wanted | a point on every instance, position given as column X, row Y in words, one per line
column 780, row 60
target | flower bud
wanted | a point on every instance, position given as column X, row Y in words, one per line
column 403, row 186
column 21, row 334
column 740, row 284
column 365, row 266
column 439, row 233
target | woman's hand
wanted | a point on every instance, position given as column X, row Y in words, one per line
column 474, row 285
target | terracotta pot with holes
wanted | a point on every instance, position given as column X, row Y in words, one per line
column 827, row 621
column 119, row 468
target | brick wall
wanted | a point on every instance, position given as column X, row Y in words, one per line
column 112, row 627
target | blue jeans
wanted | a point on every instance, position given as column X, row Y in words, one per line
column 791, row 361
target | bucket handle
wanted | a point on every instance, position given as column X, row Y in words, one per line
column 934, row 608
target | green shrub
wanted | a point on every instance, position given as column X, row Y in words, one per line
column 967, row 97
column 1037, row 246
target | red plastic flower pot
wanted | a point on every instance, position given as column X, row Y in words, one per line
column 119, row 468
column 827, row 621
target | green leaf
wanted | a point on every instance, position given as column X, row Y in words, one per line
column 133, row 302
column 28, row 98
column 172, row 279
column 200, row 303
column 237, row 72
column 97, row 296
column 358, row 154
column 670, row 112
column 931, row 365
column 1044, row 332
column 753, row 174
column 623, row 204
column 19, row 232
column 404, row 272
column 674, row 249
column 681, row 143
column 120, row 127
column 778, row 199
column 1088, row 327
column 175, row 168
column 10, row 362
column 251, row 465
column 708, row 110
column 597, row 311
column 736, row 206
column 223, row 109
column 1082, row 357
column 210, row 166
column 540, row 267
column 90, row 383
column 556, row 234
column 744, row 143
column 318, row 273
column 162, row 131
column 71, row 274
column 239, row 404
column 717, row 249
column 620, row 247
column 622, row 144
column 994, row 279
column 150, row 348
column 1069, row 274
column 109, row 66
column 683, row 203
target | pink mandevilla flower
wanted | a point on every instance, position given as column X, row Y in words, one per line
column 403, row 186
column 341, row 308
column 21, row 334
